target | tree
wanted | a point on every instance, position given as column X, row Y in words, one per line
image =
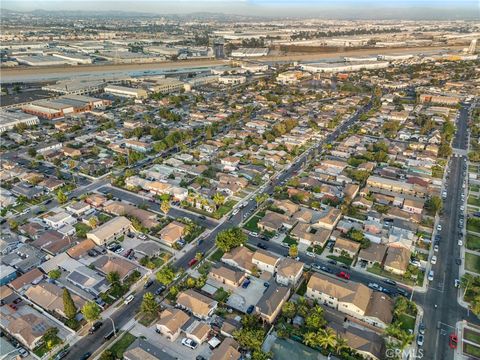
column 260, row 355
column 198, row 256
column 165, row 206
column 149, row 305
column 107, row 355
column 327, row 338
column 61, row 197
column 50, row 337
column 230, row 238
column 12, row 224
column 166, row 275
column 315, row 320
column 54, row 274
column 113, row 277
column 260, row 198
column 311, row 339
column 249, row 338
column 32, row 152
column 218, row 199
column 341, row 344
column 289, row 309
column 293, row 251
column 434, row 204
column 69, row 308
column 91, row 311
column 93, row 222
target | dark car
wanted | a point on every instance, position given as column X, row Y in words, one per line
column 245, row 284
column 333, row 262
column 390, row 282
column 250, row 309
column 86, row 355
column 109, row 335
column 262, row 246
column 95, row 327
column 458, row 261
column 326, row 269
column 344, row 266
column 62, row 354
column 148, row 283
column 160, row 290
column 403, row 292
column 203, row 217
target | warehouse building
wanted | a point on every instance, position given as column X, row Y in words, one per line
column 8, row 120
column 343, row 67
column 124, row 91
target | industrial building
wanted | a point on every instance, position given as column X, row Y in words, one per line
column 124, row 91
column 166, row 85
column 8, row 120
column 250, row 52
column 77, row 87
column 343, row 67
column 65, row 105
column 41, row 60
column 74, row 58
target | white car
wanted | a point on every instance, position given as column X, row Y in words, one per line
column 430, row 275
column 460, row 243
column 235, row 212
column 129, row 299
column 433, row 260
column 439, row 227
column 462, row 208
column 435, row 248
column 189, row 343
column 309, row 253
column 252, row 233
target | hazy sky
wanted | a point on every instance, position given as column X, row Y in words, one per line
column 331, row 8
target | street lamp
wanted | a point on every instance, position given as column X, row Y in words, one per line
column 113, row 325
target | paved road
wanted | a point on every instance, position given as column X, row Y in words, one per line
column 93, row 342
column 440, row 321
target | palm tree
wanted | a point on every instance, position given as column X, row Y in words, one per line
column 327, row 338
column 218, row 199
column 310, row 339
column 341, row 344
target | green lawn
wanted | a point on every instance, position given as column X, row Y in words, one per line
column 122, row 345
column 472, row 336
column 471, row 350
column 342, row 259
column 217, row 255
column 473, row 242
column 473, row 225
column 473, row 201
column 475, row 188
column 289, row 240
column 376, row 269
column 302, row 289
column 408, row 322
column 472, row 262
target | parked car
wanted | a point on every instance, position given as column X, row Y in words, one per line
column 311, row 254
column 148, row 283
column 421, row 328
column 189, row 343
column 261, row 246
column 430, row 275
column 453, row 341
column 96, row 325
column 333, row 262
column 250, row 309
column 344, row 275
column 458, row 261
column 375, row 286
column 62, row 354
column 433, row 260
column 160, row 290
column 457, row 283
column 192, row 262
column 266, row 284
column 460, row 242
column 435, row 248
column 23, row 353
column 253, row 233
column 326, row 269
column 129, row 299
column 390, row 282
column 142, row 237
column 246, row 283
column 420, row 339
column 439, row 227
column 86, row 355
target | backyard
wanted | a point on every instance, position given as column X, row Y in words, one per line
column 473, row 242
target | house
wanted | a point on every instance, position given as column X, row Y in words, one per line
column 309, row 235
column 172, row 232
column 287, row 206
column 397, row 259
column 81, row 249
column 144, row 350
column 171, row 322
column 7, row 274
column 146, row 218
column 27, row 328
column 95, row 200
column 413, row 206
column 34, row 276
column 199, row 305
column 367, row 343
column 329, row 218
column 239, row 257
column 58, row 220
column 273, row 222
column 78, row 208
column 88, row 280
column 272, row 301
column 265, row 260
column 110, row 231
column 289, row 272
column 53, row 242
column 197, row 330
column 228, row 350
column 227, row 275
column 111, row 263
column 343, row 245
column 351, row 298
column 375, row 253
column 50, row 297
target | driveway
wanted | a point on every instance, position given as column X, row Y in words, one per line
column 175, row 348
